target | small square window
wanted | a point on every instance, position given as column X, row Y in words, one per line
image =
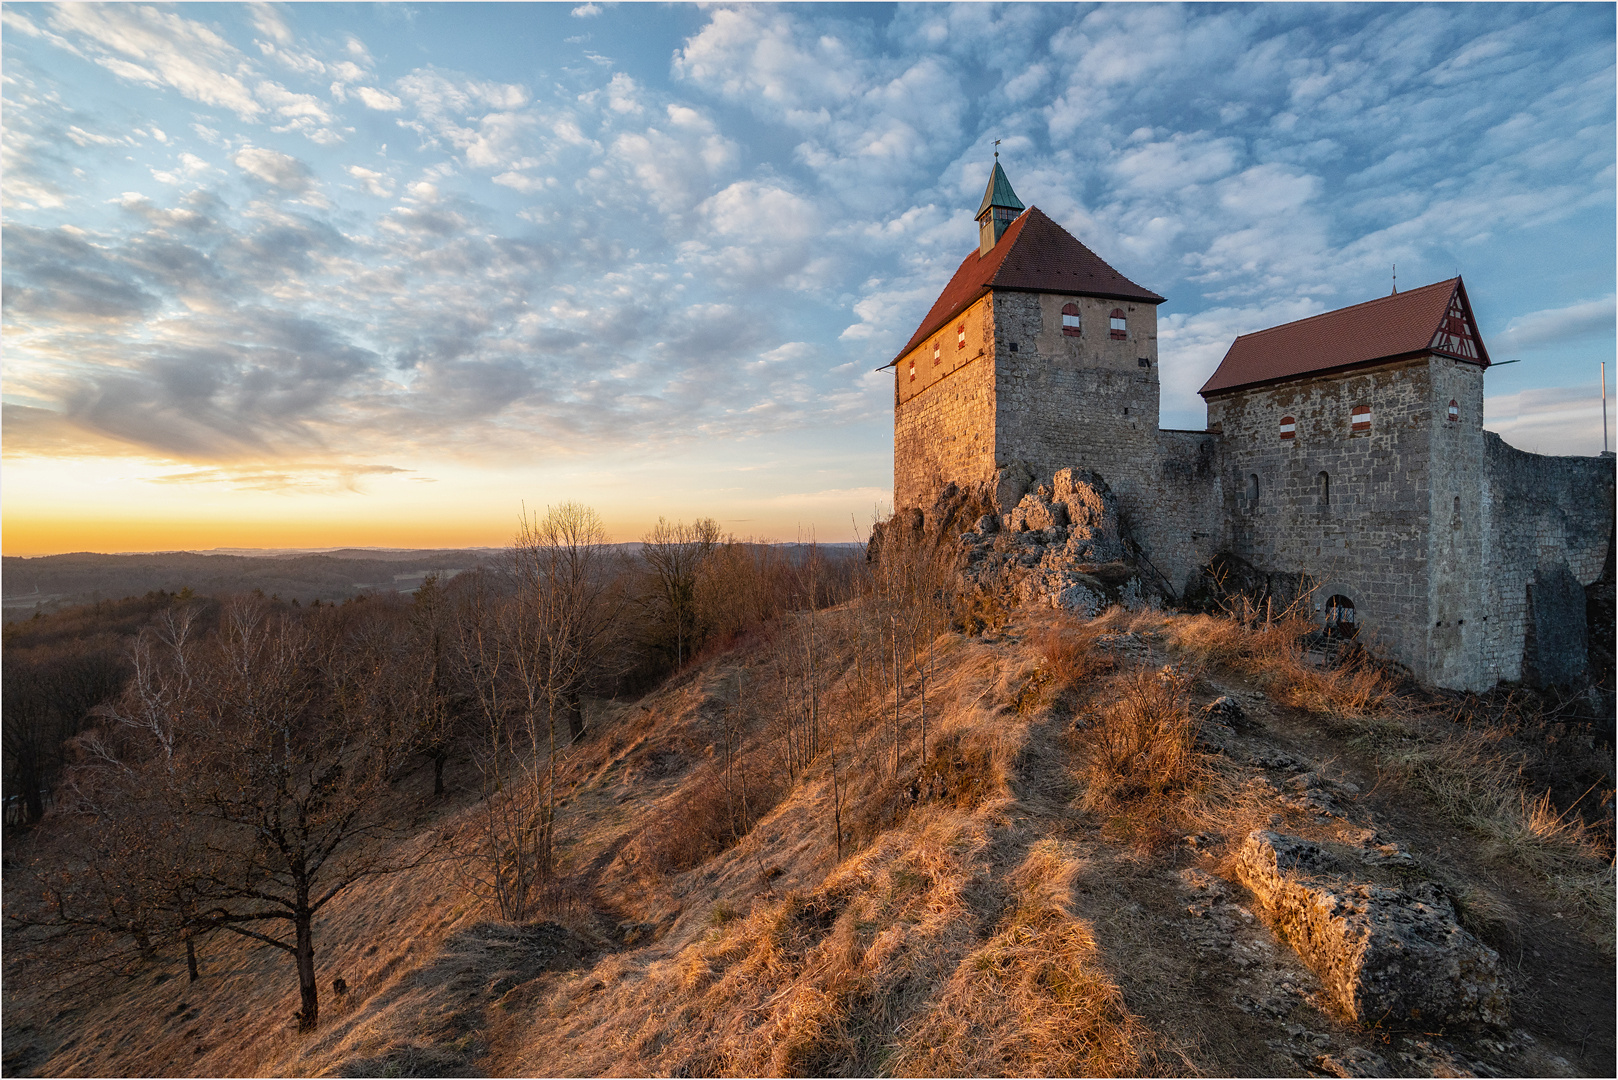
column 1143, row 361
column 1013, row 346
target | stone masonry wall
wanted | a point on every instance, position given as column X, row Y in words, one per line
column 943, row 413
column 1086, row 402
column 1364, row 533
column 1548, row 522
column 1458, row 601
column 1184, row 526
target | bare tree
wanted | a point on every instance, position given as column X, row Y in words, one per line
column 533, row 652
column 244, row 781
column 675, row 553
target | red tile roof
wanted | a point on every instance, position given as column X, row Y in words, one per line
column 1035, row 254
column 1390, row 328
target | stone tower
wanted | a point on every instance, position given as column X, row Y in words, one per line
column 1037, row 356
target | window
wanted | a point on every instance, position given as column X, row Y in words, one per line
column 960, row 336
column 1070, row 320
column 1252, row 489
column 1454, row 410
column 937, row 356
column 1143, row 361
column 1289, row 427
column 1360, row 420
column 912, row 369
column 1341, row 621
column 1119, row 326
column 1323, row 490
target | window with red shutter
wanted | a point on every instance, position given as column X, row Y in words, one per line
column 1070, row 320
column 1360, row 420
column 1289, row 427
column 960, row 336
column 912, row 369
column 937, row 356
column 1120, row 329
column 1454, row 410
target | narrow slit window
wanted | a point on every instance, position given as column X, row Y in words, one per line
column 1070, row 320
column 1120, row 328
column 1252, row 489
column 1289, row 427
column 1323, row 489
column 960, row 336
column 1360, row 420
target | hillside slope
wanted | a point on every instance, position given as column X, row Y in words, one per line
column 1007, row 903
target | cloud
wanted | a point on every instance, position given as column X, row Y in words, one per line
column 1555, row 326
column 162, row 49
column 376, row 183
column 586, row 11
column 274, row 168
column 1550, row 420
column 377, row 99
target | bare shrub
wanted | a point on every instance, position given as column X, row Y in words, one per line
column 710, row 815
column 1143, row 746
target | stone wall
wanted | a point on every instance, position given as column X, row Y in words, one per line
column 1362, row 531
column 1183, row 526
column 1085, row 402
column 943, row 419
column 1458, row 602
column 1549, row 525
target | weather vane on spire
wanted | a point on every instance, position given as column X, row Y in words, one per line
column 1395, row 291
column 997, row 149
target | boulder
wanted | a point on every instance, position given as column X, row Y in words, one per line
column 1383, row 954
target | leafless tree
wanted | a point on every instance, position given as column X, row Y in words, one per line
column 674, row 554
column 242, row 781
column 533, row 650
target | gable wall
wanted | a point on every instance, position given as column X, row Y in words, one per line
column 1078, row 402
column 1369, row 542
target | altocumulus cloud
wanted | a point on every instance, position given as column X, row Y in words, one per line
column 288, row 245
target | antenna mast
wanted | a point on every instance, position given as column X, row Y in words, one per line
column 1603, row 406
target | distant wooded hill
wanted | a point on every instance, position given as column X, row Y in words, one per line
column 51, row 582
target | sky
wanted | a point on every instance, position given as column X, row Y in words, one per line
column 318, row 275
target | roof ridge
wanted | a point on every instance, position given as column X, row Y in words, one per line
column 1351, row 307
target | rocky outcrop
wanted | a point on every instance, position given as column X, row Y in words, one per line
column 1383, row 954
column 1059, row 544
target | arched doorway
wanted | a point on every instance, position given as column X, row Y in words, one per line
column 1341, row 619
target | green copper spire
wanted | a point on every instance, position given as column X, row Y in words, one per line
column 999, row 192
column 1000, row 208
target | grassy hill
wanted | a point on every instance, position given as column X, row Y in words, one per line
column 764, row 880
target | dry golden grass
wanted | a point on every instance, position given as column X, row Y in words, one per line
column 1142, row 747
column 1273, row 654
column 1032, row 1001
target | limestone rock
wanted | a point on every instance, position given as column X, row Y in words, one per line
column 1010, row 484
column 1227, row 710
column 1382, row 954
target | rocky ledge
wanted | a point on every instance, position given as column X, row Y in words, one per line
column 1383, row 954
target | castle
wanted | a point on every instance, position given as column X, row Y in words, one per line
column 1346, row 449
